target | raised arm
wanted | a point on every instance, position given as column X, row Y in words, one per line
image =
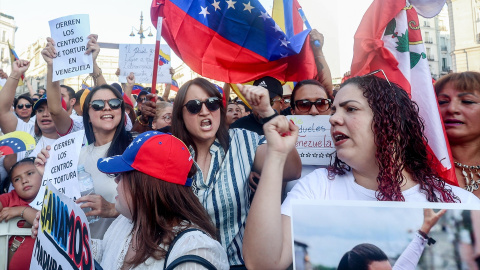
column 29, row 86
column 168, row 86
column 259, row 99
column 94, row 49
column 267, row 240
column 8, row 119
column 60, row 117
column 324, row 75
column 129, row 86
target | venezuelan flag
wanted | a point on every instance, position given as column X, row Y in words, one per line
column 174, row 86
column 13, row 58
column 285, row 14
column 163, row 58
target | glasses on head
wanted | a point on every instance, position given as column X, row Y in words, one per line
column 272, row 101
column 167, row 118
column 322, row 105
column 195, row 106
column 35, row 99
column 377, row 71
column 99, row 104
column 27, row 106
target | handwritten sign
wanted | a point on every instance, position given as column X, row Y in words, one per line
column 63, row 240
column 314, row 145
column 61, row 168
column 70, row 35
column 138, row 58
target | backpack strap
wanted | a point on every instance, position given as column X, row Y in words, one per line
column 186, row 258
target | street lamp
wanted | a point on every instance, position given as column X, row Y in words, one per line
column 140, row 31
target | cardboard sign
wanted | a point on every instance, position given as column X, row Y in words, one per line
column 63, row 240
column 61, row 168
column 70, row 36
column 138, row 58
column 314, row 145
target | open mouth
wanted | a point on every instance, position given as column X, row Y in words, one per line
column 46, row 121
column 206, row 124
column 107, row 116
column 452, row 122
column 339, row 137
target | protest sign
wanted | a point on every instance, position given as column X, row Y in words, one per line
column 70, row 36
column 61, row 168
column 15, row 142
column 314, row 145
column 138, row 58
column 63, row 240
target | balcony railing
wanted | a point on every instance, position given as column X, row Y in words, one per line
column 444, row 48
column 430, row 58
column 446, row 69
column 429, row 40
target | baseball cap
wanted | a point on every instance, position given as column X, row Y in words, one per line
column 143, row 92
column 44, row 100
column 157, row 154
column 273, row 86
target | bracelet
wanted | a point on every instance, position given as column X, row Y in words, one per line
column 23, row 211
column 266, row 119
column 319, row 56
column 140, row 122
column 430, row 241
column 18, row 79
column 95, row 76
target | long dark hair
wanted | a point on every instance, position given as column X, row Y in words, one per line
column 179, row 129
column 361, row 256
column 399, row 136
column 122, row 138
column 157, row 207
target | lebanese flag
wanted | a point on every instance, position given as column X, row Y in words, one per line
column 389, row 38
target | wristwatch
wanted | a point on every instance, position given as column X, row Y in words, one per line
column 266, row 119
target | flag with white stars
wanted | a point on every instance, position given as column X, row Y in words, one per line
column 233, row 41
column 16, row 142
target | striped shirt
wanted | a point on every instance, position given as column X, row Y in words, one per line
column 225, row 192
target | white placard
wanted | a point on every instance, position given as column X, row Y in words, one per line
column 63, row 240
column 70, row 36
column 138, row 58
column 314, row 144
column 61, row 168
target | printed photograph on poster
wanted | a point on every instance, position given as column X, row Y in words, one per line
column 63, row 240
column 61, row 167
column 138, row 58
column 329, row 236
column 70, row 36
column 314, row 144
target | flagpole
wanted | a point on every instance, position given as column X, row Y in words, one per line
column 155, row 64
column 307, row 24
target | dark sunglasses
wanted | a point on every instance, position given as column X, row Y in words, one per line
column 99, row 104
column 305, row 105
column 27, row 106
column 195, row 106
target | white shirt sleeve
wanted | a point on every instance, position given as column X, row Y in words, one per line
column 200, row 244
column 411, row 255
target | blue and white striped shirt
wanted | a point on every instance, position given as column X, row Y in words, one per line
column 225, row 192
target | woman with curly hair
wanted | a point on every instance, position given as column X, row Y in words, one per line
column 380, row 155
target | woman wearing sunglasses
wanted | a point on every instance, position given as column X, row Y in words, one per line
column 104, row 123
column 380, row 156
column 23, row 108
column 223, row 158
column 310, row 98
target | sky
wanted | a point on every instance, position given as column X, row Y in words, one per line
column 330, row 231
column 113, row 20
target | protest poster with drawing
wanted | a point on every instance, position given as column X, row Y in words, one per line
column 138, row 58
column 61, row 168
column 70, row 36
column 63, row 240
column 314, row 144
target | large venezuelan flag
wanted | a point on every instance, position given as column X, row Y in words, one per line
column 233, row 41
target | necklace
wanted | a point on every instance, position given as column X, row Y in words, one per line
column 470, row 183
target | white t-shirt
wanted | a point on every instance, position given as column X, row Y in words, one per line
column 111, row 251
column 103, row 184
column 317, row 186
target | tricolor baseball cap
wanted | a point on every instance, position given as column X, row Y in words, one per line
column 157, row 154
column 44, row 100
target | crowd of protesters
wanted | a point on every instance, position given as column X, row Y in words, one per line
column 223, row 151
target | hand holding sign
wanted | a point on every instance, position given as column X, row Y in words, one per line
column 92, row 46
column 41, row 159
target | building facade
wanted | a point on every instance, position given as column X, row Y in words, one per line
column 464, row 17
column 7, row 34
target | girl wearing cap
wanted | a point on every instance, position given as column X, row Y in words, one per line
column 43, row 129
column 223, row 158
column 156, row 204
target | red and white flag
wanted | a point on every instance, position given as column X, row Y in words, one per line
column 389, row 38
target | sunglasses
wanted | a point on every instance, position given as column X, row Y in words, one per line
column 99, row 104
column 305, row 105
column 27, row 106
column 195, row 106
column 377, row 71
